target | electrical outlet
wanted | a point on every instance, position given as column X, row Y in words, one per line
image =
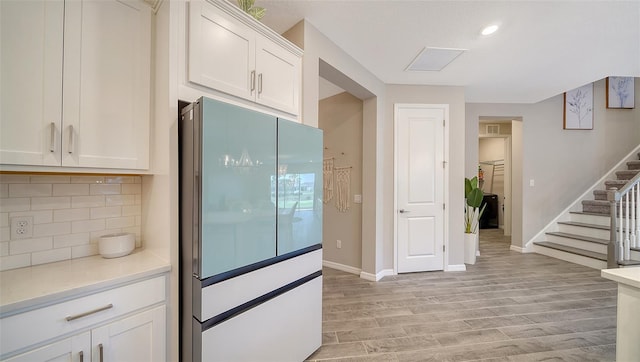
column 339, row 244
column 21, row 227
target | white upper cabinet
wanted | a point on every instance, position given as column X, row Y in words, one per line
column 278, row 72
column 81, row 99
column 31, row 38
column 230, row 52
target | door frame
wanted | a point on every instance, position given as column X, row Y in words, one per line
column 445, row 185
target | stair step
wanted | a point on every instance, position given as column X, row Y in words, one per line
column 580, row 237
column 633, row 165
column 627, row 174
column 601, row 207
column 572, row 250
column 601, row 194
column 585, row 229
column 618, row 184
column 590, row 218
column 629, row 263
column 585, row 225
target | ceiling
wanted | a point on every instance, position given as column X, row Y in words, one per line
column 542, row 49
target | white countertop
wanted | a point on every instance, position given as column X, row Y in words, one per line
column 43, row 284
column 628, row 276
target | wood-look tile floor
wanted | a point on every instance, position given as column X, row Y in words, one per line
column 507, row 307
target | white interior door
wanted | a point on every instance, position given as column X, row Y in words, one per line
column 419, row 147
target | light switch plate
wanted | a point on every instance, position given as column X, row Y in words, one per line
column 357, row 199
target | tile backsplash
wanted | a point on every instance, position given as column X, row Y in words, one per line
column 69, row 214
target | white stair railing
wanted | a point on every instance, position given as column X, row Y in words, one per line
column 625, row 228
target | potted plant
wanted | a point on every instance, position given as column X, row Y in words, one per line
column 472, row 214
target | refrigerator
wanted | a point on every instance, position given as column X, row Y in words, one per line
column 250, row 235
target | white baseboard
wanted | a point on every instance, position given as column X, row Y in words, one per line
column 456, row 267
column 342, row 267
column 375, row 277
column 520, row 250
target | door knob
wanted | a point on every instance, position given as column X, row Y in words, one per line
column 403, row 211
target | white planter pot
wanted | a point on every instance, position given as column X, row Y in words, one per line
column 470, row 247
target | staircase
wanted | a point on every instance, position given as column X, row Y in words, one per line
column 582, row 237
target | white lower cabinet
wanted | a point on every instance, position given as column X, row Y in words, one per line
column 140, row 337
column 74, row 349
column 123, row 324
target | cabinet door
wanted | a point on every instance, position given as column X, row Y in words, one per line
column 31, row 81
column 221, row 51
column 106, row 84
column 139, row 338
column 74, row 349
column 278, row 80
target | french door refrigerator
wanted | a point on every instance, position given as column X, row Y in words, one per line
column 250, row 235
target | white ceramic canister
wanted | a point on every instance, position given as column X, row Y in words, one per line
column 116, row 245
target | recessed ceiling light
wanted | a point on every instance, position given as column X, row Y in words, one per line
column 489, row 30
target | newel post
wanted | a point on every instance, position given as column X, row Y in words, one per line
column 612, row 247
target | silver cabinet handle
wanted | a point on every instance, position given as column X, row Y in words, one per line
column 81, row 356
column 70, row 150
column 84, row 314
column 52, row 140
column 101, row 349
column 403, row 211
column 253, row 80
column 260, row 83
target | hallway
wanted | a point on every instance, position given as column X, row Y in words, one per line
column 507, row 307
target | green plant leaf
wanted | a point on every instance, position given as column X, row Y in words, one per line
column 246, row 4
column 257, row 12
column 474, row 199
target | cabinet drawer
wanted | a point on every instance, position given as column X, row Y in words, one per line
column 39, row 325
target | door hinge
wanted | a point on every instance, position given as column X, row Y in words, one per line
column 444, row 206
column 443, row 123
column 443, row 248
column 444, row 164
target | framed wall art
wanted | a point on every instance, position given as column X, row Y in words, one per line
column 620, row 92
column 578, row 108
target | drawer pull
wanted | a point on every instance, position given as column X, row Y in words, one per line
column 101, row 348
column 81, row 356
column 81, row 315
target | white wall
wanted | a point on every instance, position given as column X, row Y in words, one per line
column 563, row 163
column 340, row 117
column 160, row 190
column 345, row 72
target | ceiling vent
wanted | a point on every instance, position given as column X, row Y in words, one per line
column 433, row 59
column 493, row 129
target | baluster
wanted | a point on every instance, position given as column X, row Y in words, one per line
column 627, row 251
column 633, row 218
column 637, row 192
column 620, row 232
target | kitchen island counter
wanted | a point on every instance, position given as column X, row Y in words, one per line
column 628, row 325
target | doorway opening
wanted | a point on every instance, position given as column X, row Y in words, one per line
column 499, row 169
column 340, row 116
